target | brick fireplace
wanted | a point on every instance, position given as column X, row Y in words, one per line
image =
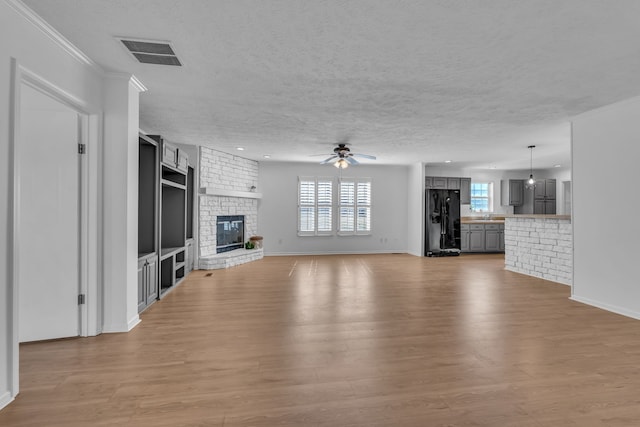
column 227, row 185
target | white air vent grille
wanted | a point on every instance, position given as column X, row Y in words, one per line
column 151, row 52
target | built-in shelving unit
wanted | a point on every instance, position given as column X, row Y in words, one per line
column 165, row 218
column 190, row 260
column 148, row 239
column 173, row 219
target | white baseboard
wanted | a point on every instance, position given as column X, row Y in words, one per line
column 5, row 399
column 608, row 307
column 121, row 327
column 334, row 253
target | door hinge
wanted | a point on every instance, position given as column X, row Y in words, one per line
column 82, row 148
column 81, row 299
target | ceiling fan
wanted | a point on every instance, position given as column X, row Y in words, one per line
column 342, row 157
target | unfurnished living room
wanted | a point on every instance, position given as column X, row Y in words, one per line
column 319, row 213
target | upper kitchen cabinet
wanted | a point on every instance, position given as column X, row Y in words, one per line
column 516, row 192
column 544, row 194
column 512, row 192
column 465, row 191
column 451, row 183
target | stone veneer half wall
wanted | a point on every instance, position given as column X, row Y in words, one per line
column 226, row 172
column 539, row 247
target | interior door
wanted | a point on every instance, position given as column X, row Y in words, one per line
column 49, row 218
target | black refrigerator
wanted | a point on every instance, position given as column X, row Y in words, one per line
column 442, row 226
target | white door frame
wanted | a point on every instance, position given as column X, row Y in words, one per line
column 90, row 123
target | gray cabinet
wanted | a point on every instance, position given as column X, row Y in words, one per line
column 451, row 183
column 464, row 237
column 148, row 218
column 476, row 238
column 492, row 238
column 465, row 191
column 545, row 207
column 439, row 183
column 147, row 281
column 482, row 237
column 544, row 197
column 169, row 154
column 516, row 192
column 190, row 257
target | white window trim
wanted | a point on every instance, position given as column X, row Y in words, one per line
column 315, row 232
column 355, row 232
column 490, row 197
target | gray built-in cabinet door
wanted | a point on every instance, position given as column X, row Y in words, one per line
column 142, row 281
column 152, row 280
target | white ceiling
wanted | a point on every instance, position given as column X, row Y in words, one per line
column 474, row 82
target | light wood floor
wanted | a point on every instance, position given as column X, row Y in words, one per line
column 379, row 340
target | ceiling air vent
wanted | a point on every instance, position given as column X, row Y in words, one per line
column 151, row 52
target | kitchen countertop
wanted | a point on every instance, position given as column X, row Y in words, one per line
column 480, row 220
column 538, row 216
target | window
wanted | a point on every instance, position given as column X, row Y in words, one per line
column 354, row 206
column 315, row 206
column 482, row 197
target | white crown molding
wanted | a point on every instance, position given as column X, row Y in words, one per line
column 138, row 84
column 126, row 76
column 52, row 33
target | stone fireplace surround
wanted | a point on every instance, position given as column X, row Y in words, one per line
column 226, row 183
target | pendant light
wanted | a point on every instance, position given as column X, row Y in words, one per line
column 531, row 182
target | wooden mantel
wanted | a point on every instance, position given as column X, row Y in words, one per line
column 212, row 191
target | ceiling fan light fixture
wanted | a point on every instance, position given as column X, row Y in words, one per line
column 341, row 164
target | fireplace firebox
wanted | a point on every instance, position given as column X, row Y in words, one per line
column 230, row 233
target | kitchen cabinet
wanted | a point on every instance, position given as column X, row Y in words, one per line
column 465, row 191
column 451, row 183
column 464, row 237
column 544, row 207
column 544, row 197
column 482, row 237
column 516, row 192
column 476, row 238
column 492, row 237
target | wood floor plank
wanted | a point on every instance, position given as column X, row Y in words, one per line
column 349, row 340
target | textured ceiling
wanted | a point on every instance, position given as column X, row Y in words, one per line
column 470, row 81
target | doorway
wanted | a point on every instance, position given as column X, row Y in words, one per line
column 49, row 223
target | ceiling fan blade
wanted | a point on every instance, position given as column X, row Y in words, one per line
column 351, row 160
column 365, row 156
column 328, row 160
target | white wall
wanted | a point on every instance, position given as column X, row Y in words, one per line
column 415, row 220
column 277, row 210
column 25, row 43
column 606, row 228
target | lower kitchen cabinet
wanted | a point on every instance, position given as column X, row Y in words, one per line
column 147, row 281
column 482, row 237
